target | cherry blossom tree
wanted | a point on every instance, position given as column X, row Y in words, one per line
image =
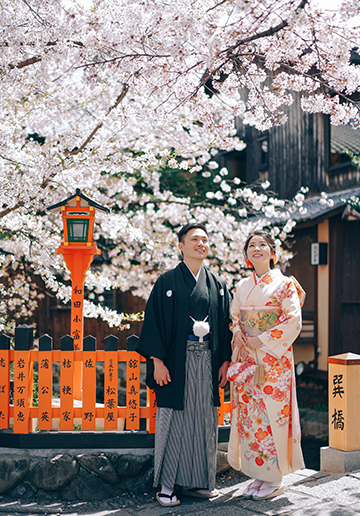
column 105, row 95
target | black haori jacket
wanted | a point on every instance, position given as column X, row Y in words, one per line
column 164, row 333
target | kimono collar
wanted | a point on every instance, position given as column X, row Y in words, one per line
column 271, row 272
column 198, row 273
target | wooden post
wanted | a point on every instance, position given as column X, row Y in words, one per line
column 151, row 402
column 22, row 379
column 132, row 385
column 77, row 299
column 78, row 261
column 344, row 402
column 45, row 383
column 4, row 380
column 111, row 383
column 221, row 408
column 67, row 383
column 89, row 383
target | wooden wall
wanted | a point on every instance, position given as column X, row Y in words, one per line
column 298, row 155
column 350, row 298
column 53, row 318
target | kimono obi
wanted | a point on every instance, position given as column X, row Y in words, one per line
column 257, row 319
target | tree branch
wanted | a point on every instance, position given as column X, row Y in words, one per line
column 36, row 15
column 269, row 32
column 46, row 181
column 27, row 62
column 74, row 152
column 18, row 205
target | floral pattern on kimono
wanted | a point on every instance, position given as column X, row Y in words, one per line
column 267, row 442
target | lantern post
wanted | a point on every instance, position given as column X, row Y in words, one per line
column 78, row 250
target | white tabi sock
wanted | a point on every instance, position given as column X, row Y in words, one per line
column 167, row 491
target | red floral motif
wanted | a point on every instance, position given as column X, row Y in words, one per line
column 285, row 290
column 246, row 357
column 240, row 428
column 254, row 446
column 247, row 435
column 282, row 318
column 278, row 395
column 273, row 374
column 262, row 407
column 270, row 360
column 286, row 410
column 239, row 372
column 244, row 409
column 261, row 434
column 267, row 279
column 248, row 424
column 245, row 398
column 276, row 334
column 268, row 428
column 259, row 461
column 291, row 290
column 285, row 362
column 268, row 389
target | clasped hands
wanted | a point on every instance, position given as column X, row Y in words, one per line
column 242, row 340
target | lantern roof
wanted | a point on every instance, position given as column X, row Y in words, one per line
column 72, row 202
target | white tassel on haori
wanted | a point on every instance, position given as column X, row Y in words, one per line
column 201, row 328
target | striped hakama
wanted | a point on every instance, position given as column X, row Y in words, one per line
column 186, row 440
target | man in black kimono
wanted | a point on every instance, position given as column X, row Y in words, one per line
column 187, row 343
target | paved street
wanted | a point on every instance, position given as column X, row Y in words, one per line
column 307, row 493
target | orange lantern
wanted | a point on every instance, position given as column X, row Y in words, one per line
column 78, row 250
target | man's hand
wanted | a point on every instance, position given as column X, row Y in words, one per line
column 222, row 374
column 161, row 372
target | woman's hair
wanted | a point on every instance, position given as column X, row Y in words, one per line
column 267, row 237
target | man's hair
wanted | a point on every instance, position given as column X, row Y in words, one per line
column 192, row 225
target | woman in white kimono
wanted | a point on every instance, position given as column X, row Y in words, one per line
column 266, row 319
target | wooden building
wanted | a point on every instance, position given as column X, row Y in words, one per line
column 308, row 151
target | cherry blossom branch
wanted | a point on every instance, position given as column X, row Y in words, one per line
column 36, row 15
column 27, row 62
column 269, row 32
column 217, row 5
column 21, row 204
column 74, row 152
column 122, row 95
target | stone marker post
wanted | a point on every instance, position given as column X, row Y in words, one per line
column 343, row 453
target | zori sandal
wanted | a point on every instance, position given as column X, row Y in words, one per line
column 170, row 497
column 252, row 488
column 266, row 492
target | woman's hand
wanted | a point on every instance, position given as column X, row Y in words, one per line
column 253, row 342
column 161, row 372
column 239, row 339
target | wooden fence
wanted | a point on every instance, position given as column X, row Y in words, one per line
column 17, row 385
